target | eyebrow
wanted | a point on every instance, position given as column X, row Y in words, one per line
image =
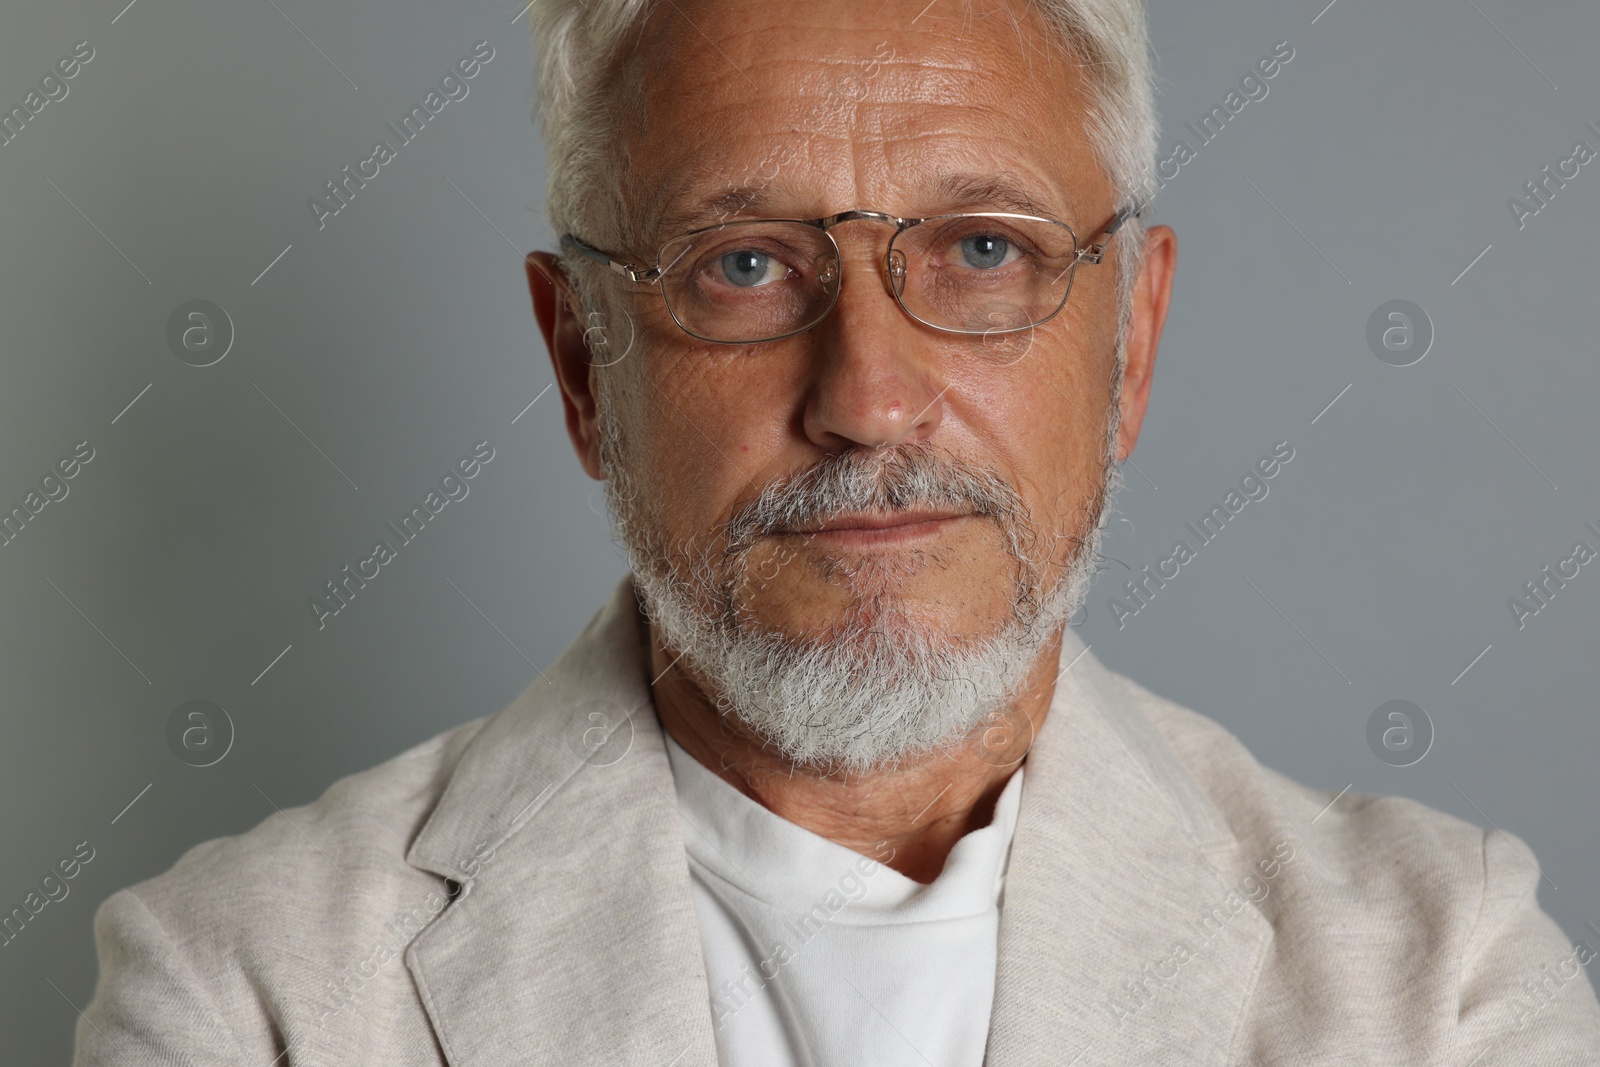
column 994, row 191
column 952, row 192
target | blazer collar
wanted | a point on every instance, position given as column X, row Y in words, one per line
column 574, row 933
column 574, row 939
column 1109, row 952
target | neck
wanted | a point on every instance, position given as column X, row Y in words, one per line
column 909, row 816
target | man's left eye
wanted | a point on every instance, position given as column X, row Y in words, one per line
column 985, row 251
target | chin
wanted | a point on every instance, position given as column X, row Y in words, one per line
column 837, row 681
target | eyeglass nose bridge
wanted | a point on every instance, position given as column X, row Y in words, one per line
column 892, row 274
column 896, row 221
column 830, row 270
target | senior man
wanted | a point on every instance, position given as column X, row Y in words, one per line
column 830, row 780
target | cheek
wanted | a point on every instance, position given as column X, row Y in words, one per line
column 1042, row 423
column 713, row 429
column 1046, row 414
column 1091, row 312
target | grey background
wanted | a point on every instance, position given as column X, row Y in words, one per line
column 180, row 564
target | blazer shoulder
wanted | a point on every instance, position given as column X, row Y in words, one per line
column 276, row 929
column 347, row 845
column 1358, row 838
column 1433, row 919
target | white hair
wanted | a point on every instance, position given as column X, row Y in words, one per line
column 580, row 45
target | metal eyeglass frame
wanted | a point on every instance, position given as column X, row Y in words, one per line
column 1091, row 253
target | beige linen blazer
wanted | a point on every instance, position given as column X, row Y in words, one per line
column 515, row 892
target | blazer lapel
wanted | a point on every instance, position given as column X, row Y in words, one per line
column 1109, row 951
column 573, row 938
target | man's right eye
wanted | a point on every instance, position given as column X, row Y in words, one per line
column 748, row 268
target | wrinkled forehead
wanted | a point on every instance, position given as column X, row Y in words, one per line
column 729, row 108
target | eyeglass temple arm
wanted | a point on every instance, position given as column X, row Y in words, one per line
column 1096, row 252
column 572, row 245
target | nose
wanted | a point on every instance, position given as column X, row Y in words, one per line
column 878, row 381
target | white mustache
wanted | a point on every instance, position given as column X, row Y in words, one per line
column 913, row 477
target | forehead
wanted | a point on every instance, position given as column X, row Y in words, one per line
column 807, row 108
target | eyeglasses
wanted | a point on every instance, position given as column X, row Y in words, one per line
column 750, row 281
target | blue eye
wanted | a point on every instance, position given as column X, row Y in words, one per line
column 746, row 268
column 984, row 250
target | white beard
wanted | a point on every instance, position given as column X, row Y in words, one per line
column 877, row 690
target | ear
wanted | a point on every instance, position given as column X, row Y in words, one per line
column 1151, row 294
column 556, row 308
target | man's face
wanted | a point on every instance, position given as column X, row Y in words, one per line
column 803, row 110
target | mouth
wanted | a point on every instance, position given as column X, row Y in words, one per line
column 868, row 529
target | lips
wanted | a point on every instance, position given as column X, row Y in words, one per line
column 873, row 521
